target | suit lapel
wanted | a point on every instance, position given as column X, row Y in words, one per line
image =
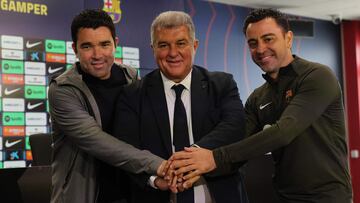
column 158, row 103
column 199, row 96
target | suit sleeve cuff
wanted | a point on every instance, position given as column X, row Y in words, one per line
column 223, row 164
column 154, row 165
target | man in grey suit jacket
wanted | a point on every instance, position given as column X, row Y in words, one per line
column 145, row 115
column 81, row 106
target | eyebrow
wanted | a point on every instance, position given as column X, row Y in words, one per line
column 262, row 37
column 105, row 41
column 89, row 43
column 267, row 35
column 85, row 44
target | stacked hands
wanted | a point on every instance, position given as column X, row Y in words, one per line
column 184, row 168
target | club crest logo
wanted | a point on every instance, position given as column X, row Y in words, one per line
column 288, row 96
column 112, row 7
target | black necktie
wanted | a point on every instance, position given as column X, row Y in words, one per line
column 181, row 138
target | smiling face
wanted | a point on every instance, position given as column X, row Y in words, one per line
column 95, row 49
column 269, row 46
column 174, row 52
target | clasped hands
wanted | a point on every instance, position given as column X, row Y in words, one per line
column 184, row 168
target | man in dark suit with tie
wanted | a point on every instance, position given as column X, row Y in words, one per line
column 178, row 105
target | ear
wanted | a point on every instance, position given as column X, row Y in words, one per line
column 196, row 44
column 116, row 41
column 73, row 45
column 289, row 39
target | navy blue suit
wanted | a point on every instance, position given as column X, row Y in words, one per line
column 217, row 120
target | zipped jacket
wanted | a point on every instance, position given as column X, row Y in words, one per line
column 79, row 141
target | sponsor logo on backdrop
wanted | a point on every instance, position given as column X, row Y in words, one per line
column 35, row 68
column 13, row 91
column 9, row 92
column 112, row 7
column 34, row 44
column 12, row 67
column 16, row 105
column 36, row 118
column 24, row 7
column 35, row 80
column 35, row 92
column 118, row 52
column 69, row 49
column 14, row 143
column 35, row 56
column 13, row 155
column 29, row 155
column 14, row 131
column 13, row 119
column 9, row 144
column 131, row 62
column 12, row 79
column 14, row 164
column 55, row 46
column 27, row 143
column 55, row 68
column 70, row 58
column 30, row 130
column 52, row 70
column 55, row 58
column 12, row 42
column 130, row 53
column 12, row 54
column 35, row 105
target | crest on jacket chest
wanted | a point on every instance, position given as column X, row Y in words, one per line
column 288, row 96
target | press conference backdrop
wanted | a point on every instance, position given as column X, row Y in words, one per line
column 35, row 46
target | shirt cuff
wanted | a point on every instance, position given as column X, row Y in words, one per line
column 151, row 182
column 195, row 145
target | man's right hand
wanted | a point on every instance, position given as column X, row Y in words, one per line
column 195, row 160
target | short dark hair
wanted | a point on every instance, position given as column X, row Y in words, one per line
column 257, row 15
column 91, row 18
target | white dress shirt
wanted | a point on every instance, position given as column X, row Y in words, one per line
column 201, row 192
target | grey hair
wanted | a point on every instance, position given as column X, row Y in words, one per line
column 172, row 19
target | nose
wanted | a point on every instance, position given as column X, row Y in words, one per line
column 261, row 47
column 173, row 51
column 96, row 52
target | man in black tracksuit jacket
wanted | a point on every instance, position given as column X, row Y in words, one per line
column 297, row 115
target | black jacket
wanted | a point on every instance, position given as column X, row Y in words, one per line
column 217, row 120
column 303, row 120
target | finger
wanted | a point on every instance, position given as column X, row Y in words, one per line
column 185, row 169
column 173, row 181
column 180, row 155
column 191, row 175
column 173, row 189
column 180, row 178
column 189, row 183
column 191, row 149
column 160, row 170
column 169, row 174
column 166, row 166
column 181, row 163
column 180, row 187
